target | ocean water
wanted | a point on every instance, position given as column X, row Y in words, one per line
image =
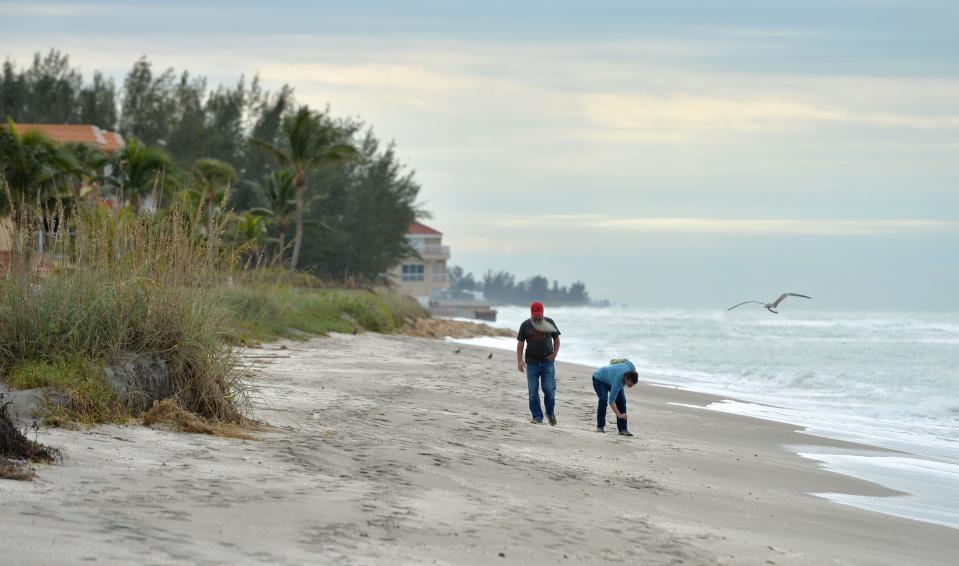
column 886, row 379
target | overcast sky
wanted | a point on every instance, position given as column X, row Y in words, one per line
column 667, row 153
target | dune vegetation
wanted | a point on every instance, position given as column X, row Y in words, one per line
column 114, row 284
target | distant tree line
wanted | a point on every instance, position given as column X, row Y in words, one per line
column 501, row 287
column 51, row 91
column 318, row 192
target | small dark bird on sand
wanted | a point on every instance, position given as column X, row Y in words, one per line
column 490, row 356
column 355, row 331
column 457, row 351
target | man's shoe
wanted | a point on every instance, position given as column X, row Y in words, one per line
column 552, row 419
column 536, row 421
column 625, row 433
column 600, row 429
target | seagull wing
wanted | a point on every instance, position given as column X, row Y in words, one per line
column 743, row 303
column 784, row 295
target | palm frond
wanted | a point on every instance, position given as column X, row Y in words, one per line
column 280, row 156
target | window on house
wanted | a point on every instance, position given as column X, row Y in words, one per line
column 413, row 272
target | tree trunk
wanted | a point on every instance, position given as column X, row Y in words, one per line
column 281, row 228
column 298, row 234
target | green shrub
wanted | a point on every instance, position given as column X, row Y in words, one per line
column 267, row 312
column 122, row 284
column 113, row 284
column 92, row 399
column 402, row 307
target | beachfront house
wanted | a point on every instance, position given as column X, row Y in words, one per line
column 423, row 276
column 60, row 133
column 83, row 133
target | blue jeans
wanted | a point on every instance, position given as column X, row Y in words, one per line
column 544, row 372
column 602, row 391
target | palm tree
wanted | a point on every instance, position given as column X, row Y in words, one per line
column 249, row 230
column 33, row 165
column 36, row 171
column 311, row 141
column 280, row 190
column 212, row 179
column 138, row 171
column 91, row 165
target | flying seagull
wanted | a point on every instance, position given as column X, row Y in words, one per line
column 771, row 307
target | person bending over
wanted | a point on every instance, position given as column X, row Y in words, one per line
column 610, row 383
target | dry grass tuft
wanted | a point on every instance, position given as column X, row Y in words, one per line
column 111, row 283
column 10, row 470
column 169, row 413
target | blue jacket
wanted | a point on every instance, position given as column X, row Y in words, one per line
column 614, row 377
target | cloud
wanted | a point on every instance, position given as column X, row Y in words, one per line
column 682, row 114
column 670, row 125
column 369, row 75
column 782, row 227
column 65, row 9
column 728, row 226
column 501, row 246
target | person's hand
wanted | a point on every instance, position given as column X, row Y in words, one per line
column 521, row 366
column 622, row 416
column 551, row 357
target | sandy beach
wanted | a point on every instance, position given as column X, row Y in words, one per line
column 396, row 450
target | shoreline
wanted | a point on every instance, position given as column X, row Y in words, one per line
column 396, row 449
column 923, row 479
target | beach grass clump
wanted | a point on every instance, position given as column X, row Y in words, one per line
column 109, row 285
column 263, row 312
column 60, row 372
column 403, row 308
column 312, row 312
column 366, row 308
column 114, row 284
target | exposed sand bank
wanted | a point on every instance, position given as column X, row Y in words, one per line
column 444, row 327
column 396, row 450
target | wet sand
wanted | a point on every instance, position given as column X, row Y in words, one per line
column 398, row 450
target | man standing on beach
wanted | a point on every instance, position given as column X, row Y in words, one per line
column 610, row 383
column 541, row 338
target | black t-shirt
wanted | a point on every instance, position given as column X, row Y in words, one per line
column 538, row 344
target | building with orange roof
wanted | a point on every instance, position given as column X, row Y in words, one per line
column 61, row 133
column 84, row 133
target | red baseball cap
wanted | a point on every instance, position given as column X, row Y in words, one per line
column 536, row 308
